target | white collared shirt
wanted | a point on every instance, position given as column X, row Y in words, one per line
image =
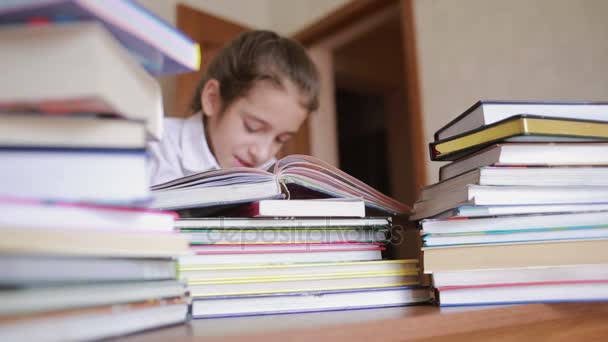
column 182, row 151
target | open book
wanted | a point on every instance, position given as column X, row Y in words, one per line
column 295, row 176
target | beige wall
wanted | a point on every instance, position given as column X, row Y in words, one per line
column 516, row 49
column 254, row 13
column 289, row 16
column 283, row 16
column 468, row 49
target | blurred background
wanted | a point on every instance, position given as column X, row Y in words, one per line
column 395, row 71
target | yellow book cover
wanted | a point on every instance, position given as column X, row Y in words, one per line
column 301, row 283
column 239, row 274
column 521, row 128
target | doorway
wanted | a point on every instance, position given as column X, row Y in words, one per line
column 370, row 120
column 362, row 138
column 368, row 72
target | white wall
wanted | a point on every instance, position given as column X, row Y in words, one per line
column 516, row 49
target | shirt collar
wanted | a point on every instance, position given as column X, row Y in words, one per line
column 197, row 156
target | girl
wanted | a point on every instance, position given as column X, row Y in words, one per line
column 254, row 97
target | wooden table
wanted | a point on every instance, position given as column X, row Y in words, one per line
column 560, row 322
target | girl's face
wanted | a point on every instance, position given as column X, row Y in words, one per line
column 253, row 128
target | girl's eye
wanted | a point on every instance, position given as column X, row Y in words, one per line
column 251, row 128
column 282, row 140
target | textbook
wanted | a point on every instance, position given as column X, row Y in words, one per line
column 70, row 131
column 328, row 207
column 281, row 254
column 530, row 154
column 283, row 223
column 292, row 177
column 492, row 237
column 514, row 222
column 83, row 324
column 567, row 291
column 33, row 213
column 520, row 176
column 515, row 209
column 299, row 283
column 42, row 298
column 103, row 176
column 284, row 270
column 30, row 270
column 293, row 235
column 487, row 112
column 92, row 243
column 231, row 306
column 521, row 275
column 156, row 44
column 82, row 63
column 488, row 195
column 521, row 128
column 507, row 255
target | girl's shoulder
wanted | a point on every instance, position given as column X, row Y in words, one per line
column 175, row 128
column 174, row 123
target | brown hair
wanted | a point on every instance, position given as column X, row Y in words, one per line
column 260, row 55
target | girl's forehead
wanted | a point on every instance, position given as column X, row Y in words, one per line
column 277, row 106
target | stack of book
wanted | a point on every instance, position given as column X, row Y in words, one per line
column 521, row 213
column 261, row 255
column 81, row 255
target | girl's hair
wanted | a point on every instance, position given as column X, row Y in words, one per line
column 260, row 55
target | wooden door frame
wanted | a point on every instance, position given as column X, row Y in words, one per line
column 351, row 19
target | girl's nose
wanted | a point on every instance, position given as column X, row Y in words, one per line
column 261, row 152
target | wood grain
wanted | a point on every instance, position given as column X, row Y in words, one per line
column 560, row 322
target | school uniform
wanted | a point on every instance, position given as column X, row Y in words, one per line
column 182, row 151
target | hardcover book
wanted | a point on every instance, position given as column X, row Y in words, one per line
column 156, row 44
column 487, row 112
column 530, row 154
column 85, row 70
column 521, row 128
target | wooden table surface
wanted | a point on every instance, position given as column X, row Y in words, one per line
column 560, row 322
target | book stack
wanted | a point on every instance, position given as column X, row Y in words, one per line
column 82, row 257
column 255, row 254
column 520, row 214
